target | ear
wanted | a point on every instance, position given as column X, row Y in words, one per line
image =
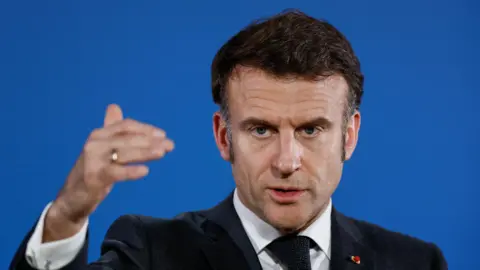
column 220, row 133
column 351, row 134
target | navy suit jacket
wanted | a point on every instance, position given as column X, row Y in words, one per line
column 214, row 239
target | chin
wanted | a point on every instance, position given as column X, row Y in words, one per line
column 286, row 218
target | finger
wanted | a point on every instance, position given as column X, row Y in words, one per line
column 128, row 155
column 127, row 126
column 102, row 149
column 113, row 115
column 116, row 172
column 131, row 141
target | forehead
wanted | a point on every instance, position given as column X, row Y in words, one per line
column 252, row 92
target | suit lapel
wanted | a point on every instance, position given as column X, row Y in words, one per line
column 228, row 246
column 347, row 242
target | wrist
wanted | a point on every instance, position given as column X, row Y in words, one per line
column 58, row 225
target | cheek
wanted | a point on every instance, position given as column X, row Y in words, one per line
column 251, row 161
column 323, row 162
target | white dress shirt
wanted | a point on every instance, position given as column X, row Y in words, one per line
column 53, row 255
column 261, row 234
column 57, row 254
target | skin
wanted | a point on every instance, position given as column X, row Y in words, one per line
column 286, row 133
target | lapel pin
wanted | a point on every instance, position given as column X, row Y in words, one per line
column 355, row 259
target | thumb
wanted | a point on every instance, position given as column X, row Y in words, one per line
column 112, row 115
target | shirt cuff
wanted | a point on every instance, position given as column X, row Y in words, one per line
column 53, row 255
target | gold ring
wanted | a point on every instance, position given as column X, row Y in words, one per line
column 114, row 155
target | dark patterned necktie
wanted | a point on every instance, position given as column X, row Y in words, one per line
column 293, row 251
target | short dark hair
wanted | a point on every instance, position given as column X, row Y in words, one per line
column 289, row 44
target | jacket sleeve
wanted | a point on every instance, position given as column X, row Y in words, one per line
column 124, row 247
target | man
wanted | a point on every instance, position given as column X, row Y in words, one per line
column 289, row 90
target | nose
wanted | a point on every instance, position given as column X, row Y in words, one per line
column 288, row 159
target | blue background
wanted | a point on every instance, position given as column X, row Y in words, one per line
column 415, row 169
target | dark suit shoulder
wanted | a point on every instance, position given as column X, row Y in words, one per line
column 171, row 240
column 128, row 229
column 144, row 226
column 182, row 223
column 133, row 227
column 399, row 248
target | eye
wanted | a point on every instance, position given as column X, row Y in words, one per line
column 260, row 131
column 310, row 131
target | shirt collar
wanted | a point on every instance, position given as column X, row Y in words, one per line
column 261, row 233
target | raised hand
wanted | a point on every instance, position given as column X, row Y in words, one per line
column 107, row 158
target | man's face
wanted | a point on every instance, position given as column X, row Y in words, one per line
column 287, row 140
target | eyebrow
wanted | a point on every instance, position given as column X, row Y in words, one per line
column 254, row 121
column 318, row 121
